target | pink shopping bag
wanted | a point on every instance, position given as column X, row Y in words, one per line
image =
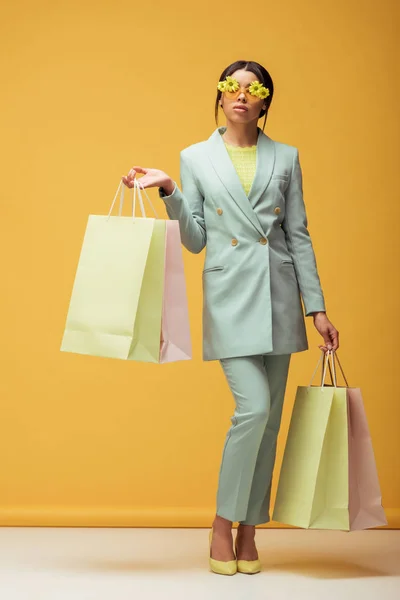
column 365, row 499
column 175, row 328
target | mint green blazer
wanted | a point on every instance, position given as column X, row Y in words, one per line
column 260, row 263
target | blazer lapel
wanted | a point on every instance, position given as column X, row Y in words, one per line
column 223, row 166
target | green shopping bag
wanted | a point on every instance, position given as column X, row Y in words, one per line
column 115, row 308
column 313, row 487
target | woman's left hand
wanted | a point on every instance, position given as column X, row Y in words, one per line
column 328, row 332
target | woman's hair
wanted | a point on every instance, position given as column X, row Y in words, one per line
column 262, row 76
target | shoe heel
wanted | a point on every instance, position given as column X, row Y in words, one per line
column 222, row 567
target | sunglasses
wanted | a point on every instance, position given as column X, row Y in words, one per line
column 232, row 89
column 235, row 95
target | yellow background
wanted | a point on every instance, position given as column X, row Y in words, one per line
column 88, row 91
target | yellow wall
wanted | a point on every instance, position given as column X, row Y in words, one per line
column 90, row 90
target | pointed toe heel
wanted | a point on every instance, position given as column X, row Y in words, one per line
column 222, row 567
column 249, row 567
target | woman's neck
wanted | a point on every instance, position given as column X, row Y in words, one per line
column 240, row 134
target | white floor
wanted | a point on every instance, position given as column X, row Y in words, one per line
column 140, row 564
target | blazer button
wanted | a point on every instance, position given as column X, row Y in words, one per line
column 277, row 210
column 219, row 211
column 234, row 242
column 263, row 241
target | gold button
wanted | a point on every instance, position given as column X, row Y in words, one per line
column 263, row 241
column 219, row 211
column 234, row 242
column 277, row 210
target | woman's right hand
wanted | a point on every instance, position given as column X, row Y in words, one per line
column 151, row 177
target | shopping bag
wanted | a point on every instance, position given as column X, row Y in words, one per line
column 365, row 504
column 117, row 302
column 175, row 334
column 328, row 478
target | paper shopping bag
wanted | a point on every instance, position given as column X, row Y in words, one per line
column 315, row 448
column 365, row 506
column 175, row 329
column 319, row 485
column 116, row 306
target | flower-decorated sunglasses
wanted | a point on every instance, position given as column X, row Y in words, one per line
column 253, row 91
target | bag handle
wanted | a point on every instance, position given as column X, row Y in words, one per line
column 326, row 360
column 335, row 356
column 332, row 371
column 137, row 186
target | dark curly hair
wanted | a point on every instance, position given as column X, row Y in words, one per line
column 262, row 76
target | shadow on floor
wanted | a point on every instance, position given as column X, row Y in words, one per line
column 324, row 567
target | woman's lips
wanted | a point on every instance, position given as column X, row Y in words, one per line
column 240, row 109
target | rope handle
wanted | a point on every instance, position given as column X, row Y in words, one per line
column 333, row 355
column 336, row 357
column 137, row 186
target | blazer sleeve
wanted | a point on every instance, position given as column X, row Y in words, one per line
column 299, row 242
column 186, row 206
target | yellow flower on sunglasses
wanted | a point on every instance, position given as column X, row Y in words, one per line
column 230, row 84
column 258, row 89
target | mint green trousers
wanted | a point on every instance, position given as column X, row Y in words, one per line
column 258, row 385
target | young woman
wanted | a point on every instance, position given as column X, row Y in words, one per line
column 242, row 199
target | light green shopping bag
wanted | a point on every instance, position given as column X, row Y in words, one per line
column 115, row 309
column 313, row 487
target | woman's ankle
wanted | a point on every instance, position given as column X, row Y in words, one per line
column 221, row 524
column 246, row 530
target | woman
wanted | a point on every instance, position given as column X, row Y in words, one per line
column 242, row 199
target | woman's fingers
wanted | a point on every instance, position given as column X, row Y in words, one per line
column 150, row 178
column 139, row 170
column 129, row 180
column 325, row 349
column 334, row 335
column 331, row 338
column 336, row 340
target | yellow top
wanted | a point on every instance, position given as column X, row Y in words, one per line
column 244, row 161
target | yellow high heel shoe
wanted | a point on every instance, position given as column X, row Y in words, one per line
column 222, row 567
column 250, row 567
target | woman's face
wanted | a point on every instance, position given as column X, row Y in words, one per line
column 253, row 104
